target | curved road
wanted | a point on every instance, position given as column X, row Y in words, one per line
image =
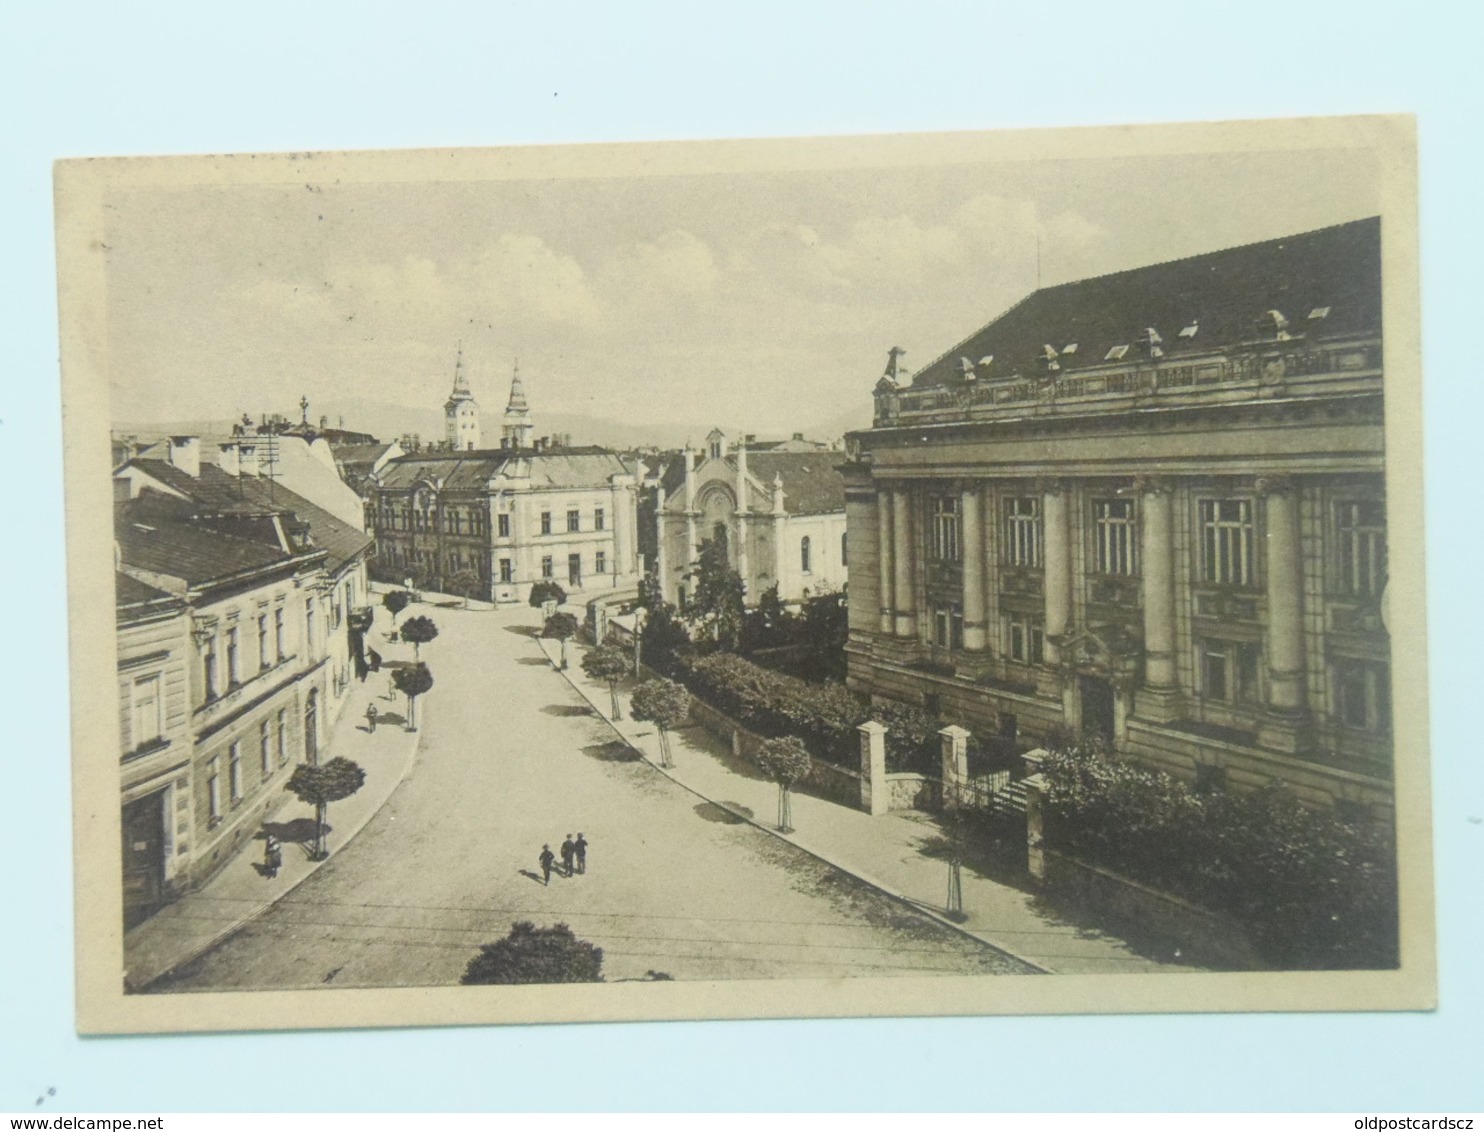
column 511, row 757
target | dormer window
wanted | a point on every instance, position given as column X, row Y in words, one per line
column 1152, row 342
column 1190, row 331
column 986, row 361
column 1318, row 313
column 1049, row 358
column 1115, row 354
column 1069, row 348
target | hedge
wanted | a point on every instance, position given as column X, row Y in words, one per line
column 1317, row 892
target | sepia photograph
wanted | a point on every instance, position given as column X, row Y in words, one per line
column 907, row 574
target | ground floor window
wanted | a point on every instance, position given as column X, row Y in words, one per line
column 234, row 771
column 600, row 563
column 948, row 627
column 507, row 570
column 1027, row 639
column 213, row 791
column 1229, row 671
column 1363, row 694
column 574, row 570
column 265, row 748
column 547, row 570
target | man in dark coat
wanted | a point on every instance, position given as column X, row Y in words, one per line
column 547, row 858
column 568, row 848
column 579, row 849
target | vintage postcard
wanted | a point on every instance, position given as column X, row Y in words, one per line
column 972, row 573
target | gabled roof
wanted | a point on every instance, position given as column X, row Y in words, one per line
column 1224, row 294
column 472, row 471
column 812, row 484
column 160, row 535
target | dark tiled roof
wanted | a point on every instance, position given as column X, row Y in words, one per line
column 153, row 535
column 812, row 485
column 1225, row 293
column 134, row 598
column 471, row 471
column 358, row 455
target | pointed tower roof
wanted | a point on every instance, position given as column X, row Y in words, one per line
column 517, row 394
column 461, row 390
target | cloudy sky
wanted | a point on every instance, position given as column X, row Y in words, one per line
column 761, row 301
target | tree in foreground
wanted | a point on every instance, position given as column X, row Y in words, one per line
column 610, row 664
column 419, row 631
column 665, row 704
column 786, row 762
column 546, row 590
column 561, row 627
column 412, row 680
column 319, row 784
column 535, row 955
column 395, row 602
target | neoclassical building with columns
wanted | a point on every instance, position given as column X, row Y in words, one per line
column 1152, row 505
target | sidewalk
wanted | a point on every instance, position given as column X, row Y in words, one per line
column 199, row 920
column 891, row 852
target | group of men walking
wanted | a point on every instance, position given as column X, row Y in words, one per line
column 574, row 858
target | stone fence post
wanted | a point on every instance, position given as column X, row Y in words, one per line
column 875, row 798
column 1035, row 817
column 954, row 750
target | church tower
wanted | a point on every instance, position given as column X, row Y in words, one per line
column 461, row 411
column 516, row 430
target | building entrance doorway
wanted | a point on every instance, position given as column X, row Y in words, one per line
column 1097, row 706
column 144, row 857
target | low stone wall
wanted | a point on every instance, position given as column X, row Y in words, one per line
column 908, row 791
column 825, row 780
column 1200, row 936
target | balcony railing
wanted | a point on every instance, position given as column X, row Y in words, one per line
column 1338, row 366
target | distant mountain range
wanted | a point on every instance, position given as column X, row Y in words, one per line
column 388, row 421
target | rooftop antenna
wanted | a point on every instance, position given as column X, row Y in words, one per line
column 268, row 464
column 304, row 409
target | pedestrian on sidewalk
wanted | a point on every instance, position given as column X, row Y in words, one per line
column 568, row 848
column 373, row 660
column 547, row 858
column 272, row 857
column 371, row 718
column 579, row 849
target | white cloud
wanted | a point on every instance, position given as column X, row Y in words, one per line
column 522, row 277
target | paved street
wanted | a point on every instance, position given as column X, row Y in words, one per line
column 511, row 757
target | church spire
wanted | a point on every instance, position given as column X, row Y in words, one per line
column 461, row 411
column 516, row 429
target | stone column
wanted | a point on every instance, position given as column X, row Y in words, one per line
column 1035, row 827
column 1285, row 633
column 903, row 601
column 972, row 548
column 1156, row 564
column 884, row 553
column 954, row 752
column 875, row 799
column 1057, row 567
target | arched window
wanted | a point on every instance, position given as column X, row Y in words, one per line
column 844, row 558
column 804, row 554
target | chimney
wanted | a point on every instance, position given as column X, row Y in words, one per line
column 324, row 422
column 247, row 458
column 798, row 436
column 227, row 460
column 185, row 454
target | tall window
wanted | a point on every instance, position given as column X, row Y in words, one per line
column 264, row 660
column 1229, row 671
column 547, row 570
column 208, row 668
column 507, row 570
column 574, row 520
column 546, row 522
column 1023, row 532
column 946, row 521
column 948, row 627
column 1361, row 528
column 265, row 748
column 278, row 642
column 600, row 562
column 234, row 673
column 804, row 554
column 1363, row 694
column 147, row 711
column 234, row 770
column 503, row 526
column 309, row 627
column 599, row 519
column 1027, row 639
column 283, row 736
column 214, row 790
column 574, row 570
column 1227, row 542
column 844, row 558
column 1113, row 528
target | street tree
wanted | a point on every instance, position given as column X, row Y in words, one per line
column 535, row 955
column 396, row 601
column 786, row 762
column 466, row 584
column 319, row 784
column 547, row 591
column 664, row 703
column 719, row 593
column 610, row 664
column 418, row 631
column 412, row 680
column 561, row 627
column 662, row 632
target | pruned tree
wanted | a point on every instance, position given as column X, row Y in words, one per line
column 546, row 590
column 610, row 664
column 561, row 627
column 396, row 601
column 412, row 680
column 418, row 631
column 665, row 704
column 535, row 955
column 718, row 603
column 661, row 633
column 786, row 762
column 319, row 784
column 466, row 584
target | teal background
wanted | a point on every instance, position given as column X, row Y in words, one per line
column 83, row 79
